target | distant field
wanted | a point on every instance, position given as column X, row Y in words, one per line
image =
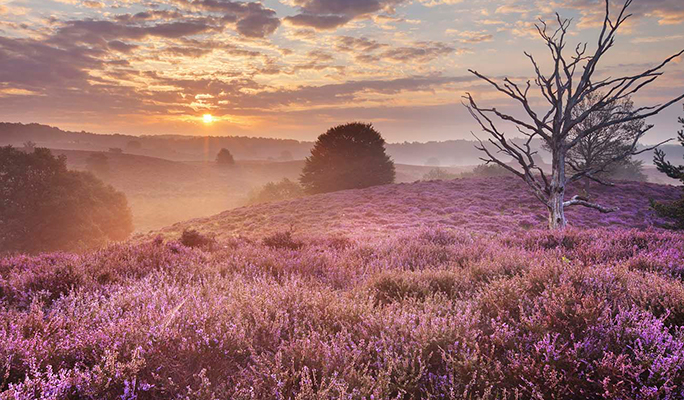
column 498, row 204
column 162, row 192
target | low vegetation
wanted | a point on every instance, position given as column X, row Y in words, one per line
column 276, row 191
column 427, row 313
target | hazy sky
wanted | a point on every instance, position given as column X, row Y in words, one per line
column 292, row 68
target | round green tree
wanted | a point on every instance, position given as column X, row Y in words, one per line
column 350, row 156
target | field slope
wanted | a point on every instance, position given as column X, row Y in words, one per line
column 432, row 290
column 498, row 204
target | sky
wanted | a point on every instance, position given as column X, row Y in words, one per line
column 293, row 68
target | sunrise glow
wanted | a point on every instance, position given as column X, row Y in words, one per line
column 292, row 68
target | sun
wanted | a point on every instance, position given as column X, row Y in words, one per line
column 208, row 118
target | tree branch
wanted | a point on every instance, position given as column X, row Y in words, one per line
column 582, row 201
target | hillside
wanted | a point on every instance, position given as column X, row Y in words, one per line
column 204, row 148
column 407, row 291
column 478, row 204
column 162, row 192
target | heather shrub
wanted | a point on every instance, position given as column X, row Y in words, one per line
column 45, row 277
column 429, row 313
column 282, row 240
column 396, row 286
column 283, row 190
column 195, row 239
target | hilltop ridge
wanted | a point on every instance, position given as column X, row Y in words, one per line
column 500, row 204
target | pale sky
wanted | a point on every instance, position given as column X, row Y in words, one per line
column 293, row 68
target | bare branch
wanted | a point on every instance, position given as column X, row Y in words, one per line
column 581, row 201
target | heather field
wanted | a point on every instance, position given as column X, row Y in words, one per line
column 499, row 204
column 428, row 290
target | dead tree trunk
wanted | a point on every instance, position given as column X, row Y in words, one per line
column 559, row 127
column 557, row 191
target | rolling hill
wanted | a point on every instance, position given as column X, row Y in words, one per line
column 407, row 291
column 162, row 192
column 500, row 204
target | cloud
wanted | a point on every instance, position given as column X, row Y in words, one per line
column 258, row 25
column 362, row 44
column 319, row 22
column 666, row 12
column 418, row 52
column 433, row 3
column 32, row 64
column 367, row 50
column 471, row 36
column 100, row 31
column 331, row 14
column 93, row 4
column 656, row 39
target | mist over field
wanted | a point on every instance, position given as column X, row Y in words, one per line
column 332, row 199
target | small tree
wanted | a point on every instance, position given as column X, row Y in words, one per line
column 45, row 207
column 29, row 146
column 350, row 156
column 607, row 151
column 98, row 164
column 224, row 157
column 673, row 210
column 557, row 126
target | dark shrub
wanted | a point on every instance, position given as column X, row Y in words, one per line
column 283, row 190
column 675, row 210
column 193, row 238
column 438, row 174
column 98, row 164
column 282, row 240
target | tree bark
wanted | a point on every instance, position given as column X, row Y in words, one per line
column 557, row 189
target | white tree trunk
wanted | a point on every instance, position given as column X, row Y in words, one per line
column 557, row 186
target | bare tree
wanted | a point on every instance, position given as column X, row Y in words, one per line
column 572, row 81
